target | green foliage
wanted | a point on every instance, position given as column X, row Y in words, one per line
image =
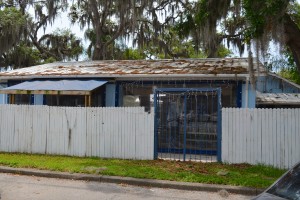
column 290, row 71
column 260, row 14
column 25, row 55
column 12, row 23
column 285, row 66
column 291, row 74
column 185, row 25
column 20, row 44
column 22, row 55
column 294, row 11
column 133, row 54
column 203, row 12
column 49, row 60
column 91, row 36
column 223, row 52
column 62, row 44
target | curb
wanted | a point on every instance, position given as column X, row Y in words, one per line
column 133, row 181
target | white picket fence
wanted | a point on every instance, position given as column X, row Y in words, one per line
column 126, row 133
column 266, row 136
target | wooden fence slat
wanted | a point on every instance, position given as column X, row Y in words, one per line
column 248, row 136
column 267, row 136
column 289, row 141
column 278, row 141
column 264, row 139
column 297, row 136
column 233, row 138
column 103, row 132
column 224, row 151
column 275, row 138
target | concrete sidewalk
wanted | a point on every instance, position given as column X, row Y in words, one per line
column 132, row 181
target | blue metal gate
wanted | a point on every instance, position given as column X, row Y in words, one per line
column 188, row 124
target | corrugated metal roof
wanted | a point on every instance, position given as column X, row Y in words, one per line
column 278, row 98
column 137, row 67
column 58, row 85
column 54, row 87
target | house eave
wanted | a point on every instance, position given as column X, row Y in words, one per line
column 279, row 103
column 135, row 76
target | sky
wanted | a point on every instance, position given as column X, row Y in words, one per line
column 63, row 22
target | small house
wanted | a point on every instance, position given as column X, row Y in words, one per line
column 186, row 95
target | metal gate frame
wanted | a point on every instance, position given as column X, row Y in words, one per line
column 219, row 121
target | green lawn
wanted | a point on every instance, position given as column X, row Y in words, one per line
column 256, row 176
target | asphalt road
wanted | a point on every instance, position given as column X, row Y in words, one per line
column 14, row 187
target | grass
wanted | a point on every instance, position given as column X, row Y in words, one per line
column 255, row 176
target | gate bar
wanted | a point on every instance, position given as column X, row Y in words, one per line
column 219, row 127
column 156, row 107
column 184, row 137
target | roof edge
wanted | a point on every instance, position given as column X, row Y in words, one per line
column 132, row 76
column 286, row 80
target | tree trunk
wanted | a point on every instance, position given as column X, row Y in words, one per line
column 292, row 37
column 98, row 53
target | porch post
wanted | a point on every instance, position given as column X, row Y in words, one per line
column 12, row 99
column 89, row 100
column 85, row 100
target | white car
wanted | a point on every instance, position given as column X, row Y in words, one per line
column 286, row 187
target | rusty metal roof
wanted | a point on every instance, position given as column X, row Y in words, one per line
column 278, row 98
column 136, row 67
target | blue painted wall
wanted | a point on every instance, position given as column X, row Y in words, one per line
column 271, row 84
column 38, row 99
column 3, row 97
column 110, row 95
column 251, row 96
column 120, row 96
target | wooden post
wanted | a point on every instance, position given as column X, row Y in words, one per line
column 90, row 101
column 85, row 100
column 12, row 99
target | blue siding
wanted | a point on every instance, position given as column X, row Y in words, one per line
column 38, row 99
column 110, row 98
column 272, row 84
column 251, row 96
column 120, row 96
column 3, row 97
column 239, row 94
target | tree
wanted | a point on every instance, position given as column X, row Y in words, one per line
column 20, row 39
column 145, row 23
column 243, row 23
column 23, row 54
column 285, row 65
column 110, row 20
column 12, row 25
column 61, row 44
